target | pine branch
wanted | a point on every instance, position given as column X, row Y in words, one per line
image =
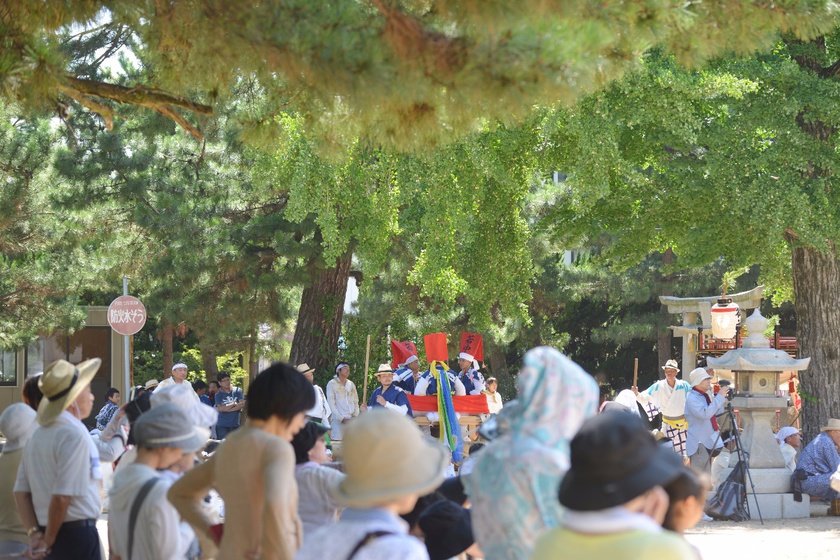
column 81, row 90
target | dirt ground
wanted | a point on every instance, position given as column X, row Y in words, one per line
column 778, row 539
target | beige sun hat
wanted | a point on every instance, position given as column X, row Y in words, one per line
column 61, row 383
column 383, row 368
column 833, row 424
column 151, row 384
column 379, row 448
column 671, row 364
column 304, row 368
column 697, row 376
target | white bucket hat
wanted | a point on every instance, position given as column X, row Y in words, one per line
column 697, row 376
column 61, row 384
column 17, row 424
column 371, row 481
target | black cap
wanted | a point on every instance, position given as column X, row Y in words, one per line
column 305, row 439
column 615, row 459
column 447, row 528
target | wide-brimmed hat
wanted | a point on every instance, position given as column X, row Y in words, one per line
column 383, row 368
column 697, row 376
column 17, row 423
column 61, row 383
column 151, row 384
column 371, row 481
column 182, row 394
column 833, row 424
column 168, row 425
column 447, row 528
column 613, row 460
column 671, row 364
column 304, row 368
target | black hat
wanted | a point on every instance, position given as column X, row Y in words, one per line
column 615, row 459
column 305, row 439
column 447, row 528
column 453, row 489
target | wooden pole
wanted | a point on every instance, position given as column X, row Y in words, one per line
column 367, row 371
column 636, row 373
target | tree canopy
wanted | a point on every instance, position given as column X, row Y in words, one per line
column 402, row 73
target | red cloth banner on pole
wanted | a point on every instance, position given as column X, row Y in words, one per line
column 473, row 344
column 400, row 351
column 436, row 347
column 468, row 404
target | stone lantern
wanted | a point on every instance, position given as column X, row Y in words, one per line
column 757, row 369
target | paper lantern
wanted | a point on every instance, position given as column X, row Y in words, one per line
column 725, row 318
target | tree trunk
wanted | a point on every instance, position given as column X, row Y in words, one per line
column 319, row 319
column 208, row 359
column 166, row 335
column 816, row 285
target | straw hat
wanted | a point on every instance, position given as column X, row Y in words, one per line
column 151, row 384
column 371, row 480
column 383, row 368
column 17, row 423
column 671, row 364
column 304, row 368
column 833, row 424
column 62, row 383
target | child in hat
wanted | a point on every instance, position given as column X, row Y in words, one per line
column 379, row 448
column 316, row 505
column 447, row 531
column 164, row 435
column 614, row 497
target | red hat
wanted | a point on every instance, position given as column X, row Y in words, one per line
column 473, row 344
column 436, row 347
column 401, row 352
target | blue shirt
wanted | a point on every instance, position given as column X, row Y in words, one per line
column 206, row 400
column 393, row 395
column 468, row 377
column 432, row 388
column 699, row 416
column 229, row 419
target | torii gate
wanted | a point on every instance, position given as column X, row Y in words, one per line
column 701, row 307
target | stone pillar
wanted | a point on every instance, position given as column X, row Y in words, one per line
column 689, row 344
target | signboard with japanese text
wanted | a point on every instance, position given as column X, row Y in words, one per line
column 126, row 315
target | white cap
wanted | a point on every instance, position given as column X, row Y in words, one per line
column 697, row 376
column 785, row 433
column 411, row 359
column 465, row 356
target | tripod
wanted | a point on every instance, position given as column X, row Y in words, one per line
column 743, row 459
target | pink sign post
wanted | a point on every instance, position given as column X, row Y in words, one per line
column 126, row 315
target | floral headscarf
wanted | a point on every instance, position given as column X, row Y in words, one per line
column 513, row 486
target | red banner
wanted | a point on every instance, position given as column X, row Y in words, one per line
column 468, row 404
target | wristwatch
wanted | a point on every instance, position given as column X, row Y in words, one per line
column 32, row 530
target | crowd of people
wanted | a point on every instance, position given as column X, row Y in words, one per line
column 554, row 478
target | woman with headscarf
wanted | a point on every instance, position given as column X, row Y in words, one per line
column 514, row 483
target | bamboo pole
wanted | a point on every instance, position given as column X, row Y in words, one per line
column 367, row 371
column 636, row 373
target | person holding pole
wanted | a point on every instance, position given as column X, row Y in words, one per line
column 669, row 395
column 343, row 399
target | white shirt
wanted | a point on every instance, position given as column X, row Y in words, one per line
column 170, row 381
column 56, row 461
column 158, row 532
column 669, row 400
column 789, row 454
column 494, row 402
column 316, row 506
column 342, row 398
column 339, row 540
column 321, row 409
